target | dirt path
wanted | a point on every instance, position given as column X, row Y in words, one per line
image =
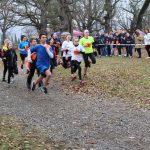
column 80, row 121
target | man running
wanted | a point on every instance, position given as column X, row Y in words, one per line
column 87, row 42
column 44, row 53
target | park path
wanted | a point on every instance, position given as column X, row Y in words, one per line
column 80, row 121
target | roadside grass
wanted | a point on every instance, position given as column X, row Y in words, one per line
column 15, row 135
column 125, row 78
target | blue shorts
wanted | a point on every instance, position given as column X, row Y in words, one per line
column 42, row 70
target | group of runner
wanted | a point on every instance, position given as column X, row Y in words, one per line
column 41, row 55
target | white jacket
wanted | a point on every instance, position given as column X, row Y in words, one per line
column 147, row 39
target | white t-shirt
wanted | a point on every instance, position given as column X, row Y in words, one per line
column 78, row 57
column 147, row 39
column 67, row 45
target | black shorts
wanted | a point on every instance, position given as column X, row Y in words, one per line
column 86, row 60
column 23, row 56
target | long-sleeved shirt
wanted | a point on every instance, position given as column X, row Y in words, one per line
column 147, row 39
column 43, row 55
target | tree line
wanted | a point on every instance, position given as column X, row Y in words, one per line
column 66, row 15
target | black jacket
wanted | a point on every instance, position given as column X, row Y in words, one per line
column 11, row 58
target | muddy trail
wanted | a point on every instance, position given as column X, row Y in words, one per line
column 80, row 121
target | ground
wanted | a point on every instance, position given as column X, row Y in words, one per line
column 111, row 112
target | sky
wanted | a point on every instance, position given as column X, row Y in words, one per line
column 16, row 31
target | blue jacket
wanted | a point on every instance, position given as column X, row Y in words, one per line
column 43, row 59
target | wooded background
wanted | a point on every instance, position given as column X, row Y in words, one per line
column 47, row 16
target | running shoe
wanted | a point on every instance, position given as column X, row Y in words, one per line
column 28, row 86
column 45, row 90
column 28, row 71
column 68, row 65
column 59, row 62
column 82, row 82
column 33, row 86
column 147, row 57
column 4, row 80
column 21, row 66
column 73, row 78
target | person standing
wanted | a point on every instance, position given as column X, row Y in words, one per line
column 147, row 42
column 87, row 42
column 11, row 58
column 4, row 50
column 138, row 40
column 129, row 47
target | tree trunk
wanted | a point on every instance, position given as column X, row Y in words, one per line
column 107, row 25
column 141, row 14
column 66, row 16
column 3, row 36
column 109, row 15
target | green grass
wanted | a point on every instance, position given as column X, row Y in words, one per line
column 125, row 78
column 13, row 136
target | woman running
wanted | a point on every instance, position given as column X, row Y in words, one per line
column 4, row 50
column 87, row 42
column 22, row 47
column 66, row 45
column 77, row 52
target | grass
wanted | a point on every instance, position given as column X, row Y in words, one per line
column 13, row 136
column 125, row 78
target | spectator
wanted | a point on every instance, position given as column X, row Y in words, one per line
column 129, row 40
column 147, row 42
column 138, row 40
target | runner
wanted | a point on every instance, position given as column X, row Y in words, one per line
column 44, row 53
column 87, row 42
column 54, row 59
column 57, row 43
column 66, row 45
column 4, row 50
column 76, row 59
column 23, row 54
column 32, row 63
column 11, row 58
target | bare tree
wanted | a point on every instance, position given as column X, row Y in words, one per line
column 141, row 14
column 6, row 17
column 86, row 12
column 30, row 31
column 134, row 15
column 66, row 14
column 34, row 13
